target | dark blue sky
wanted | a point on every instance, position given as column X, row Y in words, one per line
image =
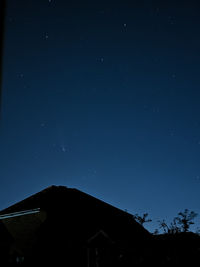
column 103, row 97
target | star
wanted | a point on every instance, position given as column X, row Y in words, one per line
column 64, row 149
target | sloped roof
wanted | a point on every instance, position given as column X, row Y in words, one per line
column 43, row 199
column 81, row 211
column 55, row 197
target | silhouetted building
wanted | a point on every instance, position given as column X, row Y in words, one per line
column 5, row 243
column 60, row 225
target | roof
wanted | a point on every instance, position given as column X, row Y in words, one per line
column 18, row 213
column 80, row 211
column 54, row 197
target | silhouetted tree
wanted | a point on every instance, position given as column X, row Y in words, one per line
column 185, row 219
column 181, row 223
column 163, row 225
column 173, row 227
column 142, row 219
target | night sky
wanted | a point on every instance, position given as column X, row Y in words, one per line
column 103, row 96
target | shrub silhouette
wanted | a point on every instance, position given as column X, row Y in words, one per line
column 185, row 219
column 142, row 219
column 181, row 223
column 173, row 228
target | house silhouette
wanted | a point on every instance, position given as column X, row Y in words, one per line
column 64, row 226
